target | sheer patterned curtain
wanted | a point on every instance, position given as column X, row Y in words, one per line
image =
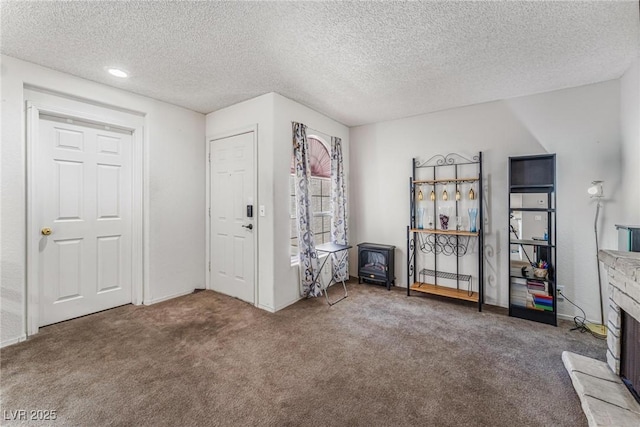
column 304, row 214
column 338, row 205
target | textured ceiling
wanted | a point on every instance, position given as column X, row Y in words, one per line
column 358, row 62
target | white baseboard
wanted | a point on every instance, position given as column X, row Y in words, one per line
column 266, row 308
column 168, row 297
column 565, row 316
column 13, row 341
column 571, row 316
column 287, row 304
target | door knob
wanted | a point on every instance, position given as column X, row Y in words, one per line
column 250, row 226
column 45, row 231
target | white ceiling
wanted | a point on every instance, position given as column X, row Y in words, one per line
column 357, row 62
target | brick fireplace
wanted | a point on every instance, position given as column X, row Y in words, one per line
column 605, row 399
column 623, row 272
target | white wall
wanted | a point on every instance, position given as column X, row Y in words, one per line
column 581, row 125
column 174, row 185
column 630, row 127
column 273, row 113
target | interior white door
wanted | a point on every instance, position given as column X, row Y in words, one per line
column 232, row 229
column 85, row 183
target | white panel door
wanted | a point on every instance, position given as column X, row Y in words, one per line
column 85, row 181
column 232, row 230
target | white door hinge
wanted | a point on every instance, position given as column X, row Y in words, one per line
column 209, row 212
column 209, row 157
column 209, row 265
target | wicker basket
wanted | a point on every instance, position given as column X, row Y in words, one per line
column 540, row 272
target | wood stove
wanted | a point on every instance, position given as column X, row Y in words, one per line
column 376, row 264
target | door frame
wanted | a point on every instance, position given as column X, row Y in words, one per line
column 239, row 131
column 96, row 115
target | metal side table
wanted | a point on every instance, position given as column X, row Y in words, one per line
column 338, row 254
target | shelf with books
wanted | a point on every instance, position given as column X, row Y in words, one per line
column 532, row 260
column 532, row 299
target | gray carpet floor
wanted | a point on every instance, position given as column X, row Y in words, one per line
column 377, row 358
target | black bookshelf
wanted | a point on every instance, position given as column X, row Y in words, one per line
column 532, row 183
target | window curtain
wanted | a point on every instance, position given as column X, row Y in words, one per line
column 338, row 205
column 306, row 243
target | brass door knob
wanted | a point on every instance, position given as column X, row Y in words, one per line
column 45, row 231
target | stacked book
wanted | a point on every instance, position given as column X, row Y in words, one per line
column 537, row 287
column 543, row 302
column 541, row 298
column 531, row 294
column 520, row 295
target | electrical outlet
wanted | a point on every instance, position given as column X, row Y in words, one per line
column 559, row 296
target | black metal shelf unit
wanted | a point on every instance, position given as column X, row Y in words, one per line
column 532, row 290
column 435, row 238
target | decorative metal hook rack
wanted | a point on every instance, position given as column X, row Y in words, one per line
column 443, row 242
column 448, row 160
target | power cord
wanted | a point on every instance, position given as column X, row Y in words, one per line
column 580, row 321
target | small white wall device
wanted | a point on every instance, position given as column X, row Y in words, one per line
column 596, row 189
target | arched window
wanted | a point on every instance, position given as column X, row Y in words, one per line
column 320, row 192
column 319, row 159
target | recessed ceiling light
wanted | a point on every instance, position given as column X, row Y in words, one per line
column 117, row 72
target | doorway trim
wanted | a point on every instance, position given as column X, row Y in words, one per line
column 235, row 132
column 104, row 116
